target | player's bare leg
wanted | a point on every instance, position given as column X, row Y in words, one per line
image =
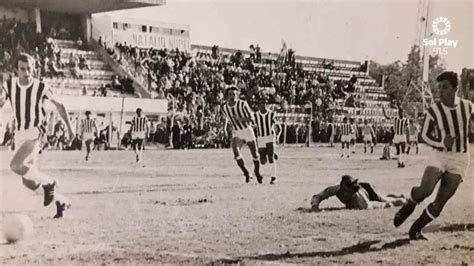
column 24, row 164
column 256, row 160
column 401, row 158
column 430, row 178
column 236, row 145
column 88, row 148
column 140, row 150
column 137, row 149
column 272, row 161
column 399, row 154
column 342, row 155
column 449, row 184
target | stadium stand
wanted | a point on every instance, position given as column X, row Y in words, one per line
column 194, row 83
column 68, row 66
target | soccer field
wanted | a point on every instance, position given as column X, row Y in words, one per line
column 193, row 207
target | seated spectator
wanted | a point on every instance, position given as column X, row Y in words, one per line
column 83, row 64
column 116, row 85
column 54, row 70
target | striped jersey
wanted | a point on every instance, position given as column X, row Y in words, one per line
column 448, row 121
column 347, row 129
column 139, row 124
column 236, row 112
column 88, row 126
column 400, row 124
column 265, row 123
column 28, row 103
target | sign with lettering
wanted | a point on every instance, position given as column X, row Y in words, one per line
column 151, row 40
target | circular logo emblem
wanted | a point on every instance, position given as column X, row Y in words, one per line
column 441, row 26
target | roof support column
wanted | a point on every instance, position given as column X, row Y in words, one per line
column 86, row 26
column 37, row 13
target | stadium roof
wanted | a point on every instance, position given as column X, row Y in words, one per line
column 82, row 6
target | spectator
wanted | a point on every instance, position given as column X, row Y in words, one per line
column 176, row 135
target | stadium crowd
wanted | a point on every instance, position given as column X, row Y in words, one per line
column 194, row 84
column 51, row 62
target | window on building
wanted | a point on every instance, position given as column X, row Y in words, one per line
column 144, row 28
column 125, row 26
column 115, row 25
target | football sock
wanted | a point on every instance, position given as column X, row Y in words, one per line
column 256, row 164
column 241, row 164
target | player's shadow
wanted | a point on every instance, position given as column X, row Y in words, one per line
column 363, row 247
column 449, row 228
column 329, row 209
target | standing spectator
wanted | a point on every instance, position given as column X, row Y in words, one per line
column 176, row 135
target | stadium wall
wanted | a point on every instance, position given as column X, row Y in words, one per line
column 141, row 33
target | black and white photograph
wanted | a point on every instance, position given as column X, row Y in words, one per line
column 236, row 132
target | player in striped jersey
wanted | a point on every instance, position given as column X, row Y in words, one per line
column 240, row 116
column 446, row 129
column 346, row 131
column 400, row 124
column 412, row 136
column 265, row 123
column 139, row 133
column 368, row 133
column 28, row 97
column 88, row 132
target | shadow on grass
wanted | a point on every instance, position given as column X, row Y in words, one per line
column 310, row 210
column 363, row 247
column 449, row 228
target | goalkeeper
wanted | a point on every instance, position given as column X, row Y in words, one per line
column 355, row 195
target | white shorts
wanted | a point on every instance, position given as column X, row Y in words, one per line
column 138, row 135
column 29, row 134
column 399, row 139
column 345, row 138
column 368, row 138
column 262, row 141
column 352, row 136
column 245, row 134
column 87, row 136
column 452, row 162
column 413, row 138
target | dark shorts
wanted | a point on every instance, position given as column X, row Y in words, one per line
column 136, row 142
column 373, row 195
